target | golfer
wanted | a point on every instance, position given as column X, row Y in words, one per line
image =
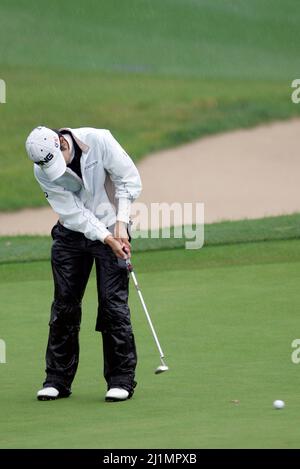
column 90, row 182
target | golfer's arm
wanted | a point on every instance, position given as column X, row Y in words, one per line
column 73, row 215
column 124, row 175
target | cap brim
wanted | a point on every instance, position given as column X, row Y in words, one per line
column 57, row 168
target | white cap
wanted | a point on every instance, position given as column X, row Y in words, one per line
column 43, row 148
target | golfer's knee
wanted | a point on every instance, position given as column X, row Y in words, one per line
column 114, row 298
column 66, row 313
column 114, row 319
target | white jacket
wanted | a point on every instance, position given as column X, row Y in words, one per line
column 110, row 182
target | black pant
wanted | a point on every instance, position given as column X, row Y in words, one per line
column 72, row 259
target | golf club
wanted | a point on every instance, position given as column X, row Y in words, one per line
column 163, row 367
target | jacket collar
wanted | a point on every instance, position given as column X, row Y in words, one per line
column 83, row 146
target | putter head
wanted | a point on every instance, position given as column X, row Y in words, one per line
column 161, row 369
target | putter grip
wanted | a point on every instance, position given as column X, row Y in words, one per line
column 129, row 265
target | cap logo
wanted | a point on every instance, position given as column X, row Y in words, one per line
column 45, row 160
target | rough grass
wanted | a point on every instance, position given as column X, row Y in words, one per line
column 155, row 73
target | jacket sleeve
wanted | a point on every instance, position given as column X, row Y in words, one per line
column 123, row 174
column 71, row 211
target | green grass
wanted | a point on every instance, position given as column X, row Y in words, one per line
column 155, row 73
column 34, row 248
column 226, row 39
column 226, row 316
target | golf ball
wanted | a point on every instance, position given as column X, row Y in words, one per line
column 278, row 404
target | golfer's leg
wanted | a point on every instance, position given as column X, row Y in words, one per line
column 71, row 267
column 114, row 322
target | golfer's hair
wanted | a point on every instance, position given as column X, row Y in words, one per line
column 78, row 150
column 57, row 132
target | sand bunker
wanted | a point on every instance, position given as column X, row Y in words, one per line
column 249, row 173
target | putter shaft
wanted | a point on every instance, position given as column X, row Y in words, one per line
column 130, row 268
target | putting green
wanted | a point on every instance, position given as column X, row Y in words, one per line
column 226, row 317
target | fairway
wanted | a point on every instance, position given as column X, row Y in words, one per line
column 226, row 317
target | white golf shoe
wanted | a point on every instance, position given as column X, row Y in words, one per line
column 116, row 394
column 47, row 394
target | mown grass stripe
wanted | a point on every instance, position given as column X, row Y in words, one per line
column 36, row 248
